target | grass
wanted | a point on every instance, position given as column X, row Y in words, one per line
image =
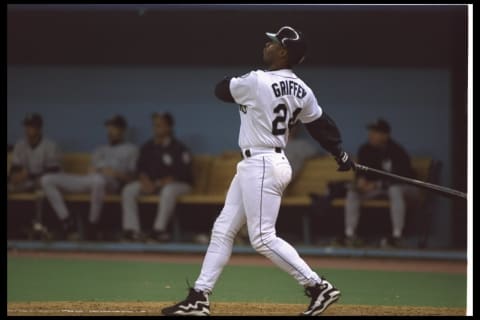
column 54, row 279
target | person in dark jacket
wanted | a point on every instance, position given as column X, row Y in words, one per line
column 383, row 153
column 164, row 168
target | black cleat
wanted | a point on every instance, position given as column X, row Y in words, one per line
column 322, row 295
column 196, row 304
column 132, row 236
column 160, row 236
column 390, row 242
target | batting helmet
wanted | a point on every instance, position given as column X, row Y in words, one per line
column 293, row 40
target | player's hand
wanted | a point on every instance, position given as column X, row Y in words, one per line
column 19, row 177
column 344, row 162
column 365, row 186
column 147, row 187
column 109, row 172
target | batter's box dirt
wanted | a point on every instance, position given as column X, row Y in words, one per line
column 220, row 308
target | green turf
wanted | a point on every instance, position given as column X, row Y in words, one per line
column 90, row 280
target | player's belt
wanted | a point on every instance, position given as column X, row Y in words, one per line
column 247, row 153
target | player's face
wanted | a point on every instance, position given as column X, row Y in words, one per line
column 377, row 138
column 32, row 133
column 161, row 127
column 115, row 133
column 272, row 52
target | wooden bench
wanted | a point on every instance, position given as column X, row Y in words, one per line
column 212, row 177
column 319, row 171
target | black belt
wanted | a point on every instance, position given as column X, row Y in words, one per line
column 248, row 154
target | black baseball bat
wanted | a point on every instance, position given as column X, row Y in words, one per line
column 418, row 183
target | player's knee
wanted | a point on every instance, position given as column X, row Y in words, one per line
column 130, row 190
column 221, row 238
column 395, row 193
column 352, row 195
column 98, row 181
column 262, row 242
column 46, row 180
column 168, row 191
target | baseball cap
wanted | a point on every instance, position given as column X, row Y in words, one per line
column 33, row 119
column 380, row 125
column 291, row 39
column 117, row 121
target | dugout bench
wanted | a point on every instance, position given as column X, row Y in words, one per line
column 212, row 177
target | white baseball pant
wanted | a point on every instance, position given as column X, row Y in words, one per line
column 254, row 198
column 94, row 183
column 167, row 201
column 399, row 195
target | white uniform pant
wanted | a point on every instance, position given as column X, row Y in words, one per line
column 254, row 198
column 398, row 194
column 96, row 184
column 167, row 200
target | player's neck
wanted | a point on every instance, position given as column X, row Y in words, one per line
column 278, row 66
column 35, row 141
column 164, row 140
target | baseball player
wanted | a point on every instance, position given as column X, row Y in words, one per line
column 271, row 102
column 165, row 168
column 32, row 157
column 112, row 166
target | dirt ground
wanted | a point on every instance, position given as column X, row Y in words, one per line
column 457, row 267
column 237, row 309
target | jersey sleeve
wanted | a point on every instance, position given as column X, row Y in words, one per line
column 311, row 110
column 243, row 89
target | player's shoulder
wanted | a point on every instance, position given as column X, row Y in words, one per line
column 20, row 143
column 147, row 144
column 178, row 144
column 250, row 75
column 48, row 143
column 130, row 146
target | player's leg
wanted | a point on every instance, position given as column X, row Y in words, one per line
column 52, row 184
column 263, row 183
column 97, row 188
column 130, row 220
column 226, row 226
column 168, row 199
column 352, row 212
column 397, row 209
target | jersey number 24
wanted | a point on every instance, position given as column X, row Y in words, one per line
column 278, row 124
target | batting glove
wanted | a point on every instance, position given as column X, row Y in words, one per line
column 344, row 162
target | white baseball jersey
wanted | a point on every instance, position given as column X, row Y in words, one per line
column 271, row 102
column 121, row 157
column 36, row 160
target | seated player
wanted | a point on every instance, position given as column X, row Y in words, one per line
column 113, row 165
column 164, row 168
column 32, row 157
column 383, row 153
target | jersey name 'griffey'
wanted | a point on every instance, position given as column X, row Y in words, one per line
column 270, row 104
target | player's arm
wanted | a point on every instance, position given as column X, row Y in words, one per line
column 18, row 173
column 326, row 132
column 222, row 91
column 323, row 129
column 241, row 90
